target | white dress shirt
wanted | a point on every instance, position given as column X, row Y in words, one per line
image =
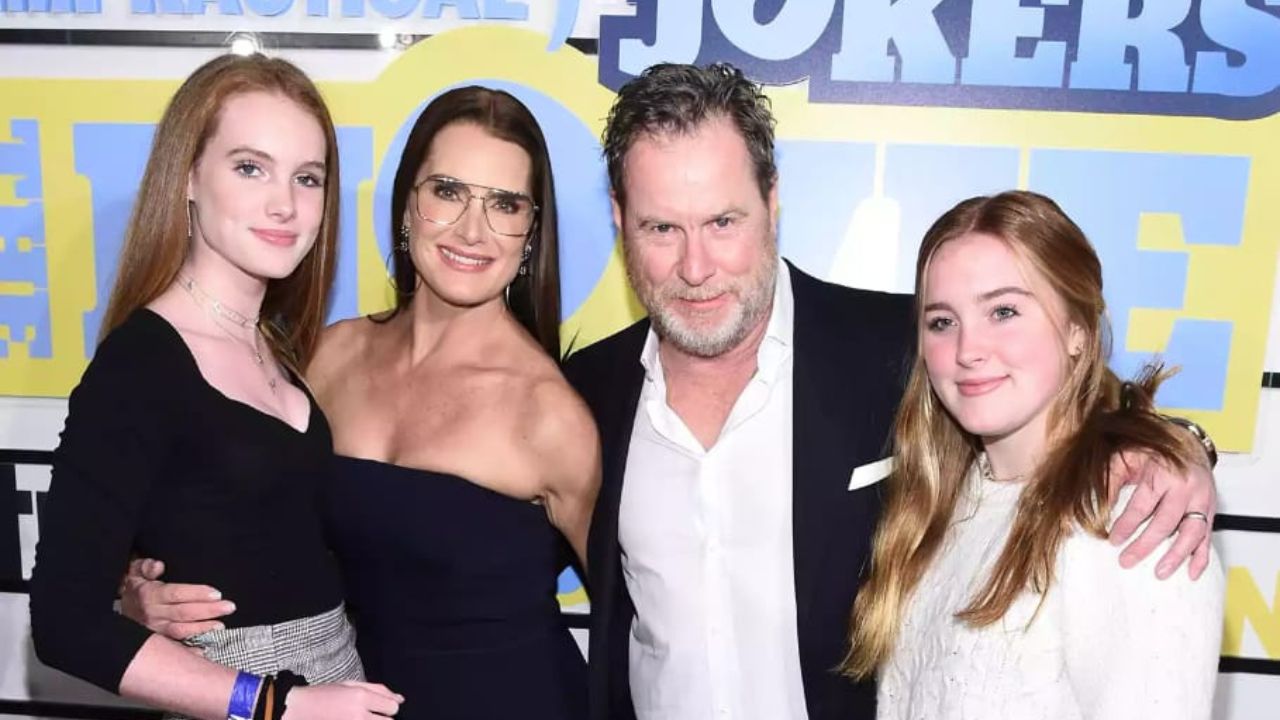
column 707, row 547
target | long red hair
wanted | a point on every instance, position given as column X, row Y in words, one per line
column 156, row 242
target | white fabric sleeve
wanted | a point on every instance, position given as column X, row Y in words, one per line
column 1136, row 646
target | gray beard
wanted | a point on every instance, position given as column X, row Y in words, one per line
column 755, row 303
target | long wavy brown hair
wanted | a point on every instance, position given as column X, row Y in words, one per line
column 157, row 240
column 1094, row 416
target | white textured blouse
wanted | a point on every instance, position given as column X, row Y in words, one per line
column 1107, row 642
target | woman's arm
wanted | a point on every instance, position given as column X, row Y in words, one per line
column 568, row 444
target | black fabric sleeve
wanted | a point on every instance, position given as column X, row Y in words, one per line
column 112, row 448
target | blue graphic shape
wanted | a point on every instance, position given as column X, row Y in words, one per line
column 25, row 318
column 584, row 215
column 927, row 180
column 820, row 185
column 112, row 157
column 355, row 148
column 568, row 582
column 566, row 16
column 1106, row 193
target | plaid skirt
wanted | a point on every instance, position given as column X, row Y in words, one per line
column 321, row 648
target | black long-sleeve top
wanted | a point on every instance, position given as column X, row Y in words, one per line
column 155, row 461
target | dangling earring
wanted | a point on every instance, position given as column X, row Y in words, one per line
column 401, row 246
column 524, row 259
column 190, row 202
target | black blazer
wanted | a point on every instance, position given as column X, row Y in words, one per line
column 852, row 349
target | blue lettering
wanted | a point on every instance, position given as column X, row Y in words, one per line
column 24, row 317
column 566, row 16
column 910, row 25
column 352, row 8
column 1252, row 32
column 269, row 8
column 792, row 31
column 112, row 157
column 318, row 8
column 820, row 185
column 1106, row 193
column 673, row 33
column 393, row 8
column 995, row 28
column 506, row 10
column 926, row 180
column 77, row 7
column 225, row 7
column 160, row 7
column 1106, row 30
column 49, row 6
column 467, row 9
column 355, row 147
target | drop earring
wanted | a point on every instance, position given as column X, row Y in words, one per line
column 190, row 202
column 403, row 244
column 524, row 259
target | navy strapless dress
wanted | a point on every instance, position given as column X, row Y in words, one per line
column 452, row 591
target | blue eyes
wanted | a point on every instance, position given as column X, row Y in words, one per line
column 943, row 322
column 248, row 169
column 1005, row 312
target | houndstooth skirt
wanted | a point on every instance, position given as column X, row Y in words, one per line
column 321, row 648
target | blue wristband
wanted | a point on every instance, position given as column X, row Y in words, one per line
column 244, row 696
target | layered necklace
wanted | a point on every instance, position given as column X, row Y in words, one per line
column 219, row 312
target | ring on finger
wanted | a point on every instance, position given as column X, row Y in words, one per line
column 1197, row 515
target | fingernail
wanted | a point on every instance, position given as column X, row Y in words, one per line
column 229, row 606
column 1163, row 571
column 1126, row 561
column 215, row 595
column 218, row 626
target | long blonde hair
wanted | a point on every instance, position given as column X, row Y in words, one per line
column 156, row 241
column 1093, row 416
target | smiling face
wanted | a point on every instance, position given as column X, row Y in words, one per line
column 257, row 189
column 995, row 340
column 467, row 263
column 699, row 239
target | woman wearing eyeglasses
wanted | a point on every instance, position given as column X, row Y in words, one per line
column 465, row 460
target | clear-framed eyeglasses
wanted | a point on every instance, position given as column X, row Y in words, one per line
column 444, row 200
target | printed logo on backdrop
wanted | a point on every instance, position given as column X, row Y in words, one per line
column 556, row 19
column 874, row 143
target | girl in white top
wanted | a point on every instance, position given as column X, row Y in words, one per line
column 993, row 591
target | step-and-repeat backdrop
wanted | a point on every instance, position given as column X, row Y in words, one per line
column 1156, row 125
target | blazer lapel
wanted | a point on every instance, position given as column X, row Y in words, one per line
column 825, row 422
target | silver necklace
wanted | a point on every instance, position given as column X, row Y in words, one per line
column 212, row 303
column 216, row 309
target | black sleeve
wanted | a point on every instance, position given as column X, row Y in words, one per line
column 111, row 449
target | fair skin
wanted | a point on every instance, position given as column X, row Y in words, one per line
column 701, row 253
column 997, row 345
column 458, row 385
column 258, row 199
